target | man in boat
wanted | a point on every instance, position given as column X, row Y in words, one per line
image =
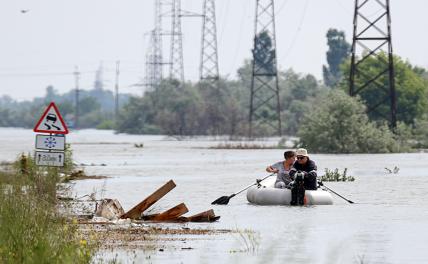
column 304, row 174
column 282, row 168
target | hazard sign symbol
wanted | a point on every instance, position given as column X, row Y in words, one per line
column 51, row 121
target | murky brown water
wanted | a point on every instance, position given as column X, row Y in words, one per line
column 388, row 223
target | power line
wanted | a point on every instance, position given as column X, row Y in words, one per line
column 40, row 74
column 297, row 33
column 238, row 47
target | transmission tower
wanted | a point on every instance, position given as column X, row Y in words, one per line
column 208, row 69
column 150, row 80
column 154, row 57
column 372, row 41
column 264, row 103
column 99, row 82
column 176, row 70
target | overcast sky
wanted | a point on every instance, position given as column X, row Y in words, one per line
column 41, row 47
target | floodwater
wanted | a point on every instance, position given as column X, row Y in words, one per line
column 387, row 224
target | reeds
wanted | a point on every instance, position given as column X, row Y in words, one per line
column 336, row 176
column 31, row 231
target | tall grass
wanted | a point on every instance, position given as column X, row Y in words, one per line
column 31, row 231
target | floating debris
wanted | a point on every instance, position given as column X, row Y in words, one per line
column 395, row 170
column 141, row 145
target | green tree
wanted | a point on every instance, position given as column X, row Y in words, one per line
column 88, row 104
column 421, row 131
column 297, row 95
column 264, row 54
column 339, row 124
column 410, row 85
column 338, row 52
column 137, row 116
column 51, row 94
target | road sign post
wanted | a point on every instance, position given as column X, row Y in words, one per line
column 50, row 122
column 50, row 142
column 54, row 159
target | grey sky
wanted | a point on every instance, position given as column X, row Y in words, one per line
column 41, row 47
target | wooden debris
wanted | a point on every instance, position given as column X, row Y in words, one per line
column 137, row 210
column 170, row 214
column 207, row 216
column 109, row 209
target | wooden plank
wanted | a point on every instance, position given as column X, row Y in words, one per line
column 172, row 213
column 207, row 216
column 148, row 217
column 137, row 210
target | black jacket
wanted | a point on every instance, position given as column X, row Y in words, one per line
column 310, row 171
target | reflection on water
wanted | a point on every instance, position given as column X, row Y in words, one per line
column 386, row 225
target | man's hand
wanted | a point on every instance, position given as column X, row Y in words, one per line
column 272, row 170
column 299, row 176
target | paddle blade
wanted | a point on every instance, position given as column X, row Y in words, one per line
column 222, row 200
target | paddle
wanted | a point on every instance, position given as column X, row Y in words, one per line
column 225, row 199
column 322, row 184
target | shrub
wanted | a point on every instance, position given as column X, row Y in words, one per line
column 338, row 123
column 31, row 231
column 335, row 176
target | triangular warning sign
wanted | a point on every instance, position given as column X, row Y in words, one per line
column 51, row 121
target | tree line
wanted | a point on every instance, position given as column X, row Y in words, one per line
column 96, row 108
column 320, row 113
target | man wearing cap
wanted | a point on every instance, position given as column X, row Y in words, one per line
column 304, row 174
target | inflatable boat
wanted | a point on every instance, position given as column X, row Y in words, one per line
column 266, row 194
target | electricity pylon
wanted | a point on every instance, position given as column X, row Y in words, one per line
column 176, row 70
column 208, row 69
column 264, row 103
column 372, row 42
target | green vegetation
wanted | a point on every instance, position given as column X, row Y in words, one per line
column 336, row 176
column 198, row 109
column 243, row 146
column 421, row 132
column 340, row 125
column 248, row 239
column 264, row 54
column 411, row 87
column 326, row 119
column 31, row 231
column 338, row 52
column 96, row 108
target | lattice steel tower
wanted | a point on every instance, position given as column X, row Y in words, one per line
column 154, row 55
column 176, row 70
column 152, row 75
column 264, row 103
column 372, row 43
column 209, row 58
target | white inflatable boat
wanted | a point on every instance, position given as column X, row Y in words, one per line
column 266, row 194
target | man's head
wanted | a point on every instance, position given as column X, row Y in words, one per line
column 302, row 155
column 290, row 156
